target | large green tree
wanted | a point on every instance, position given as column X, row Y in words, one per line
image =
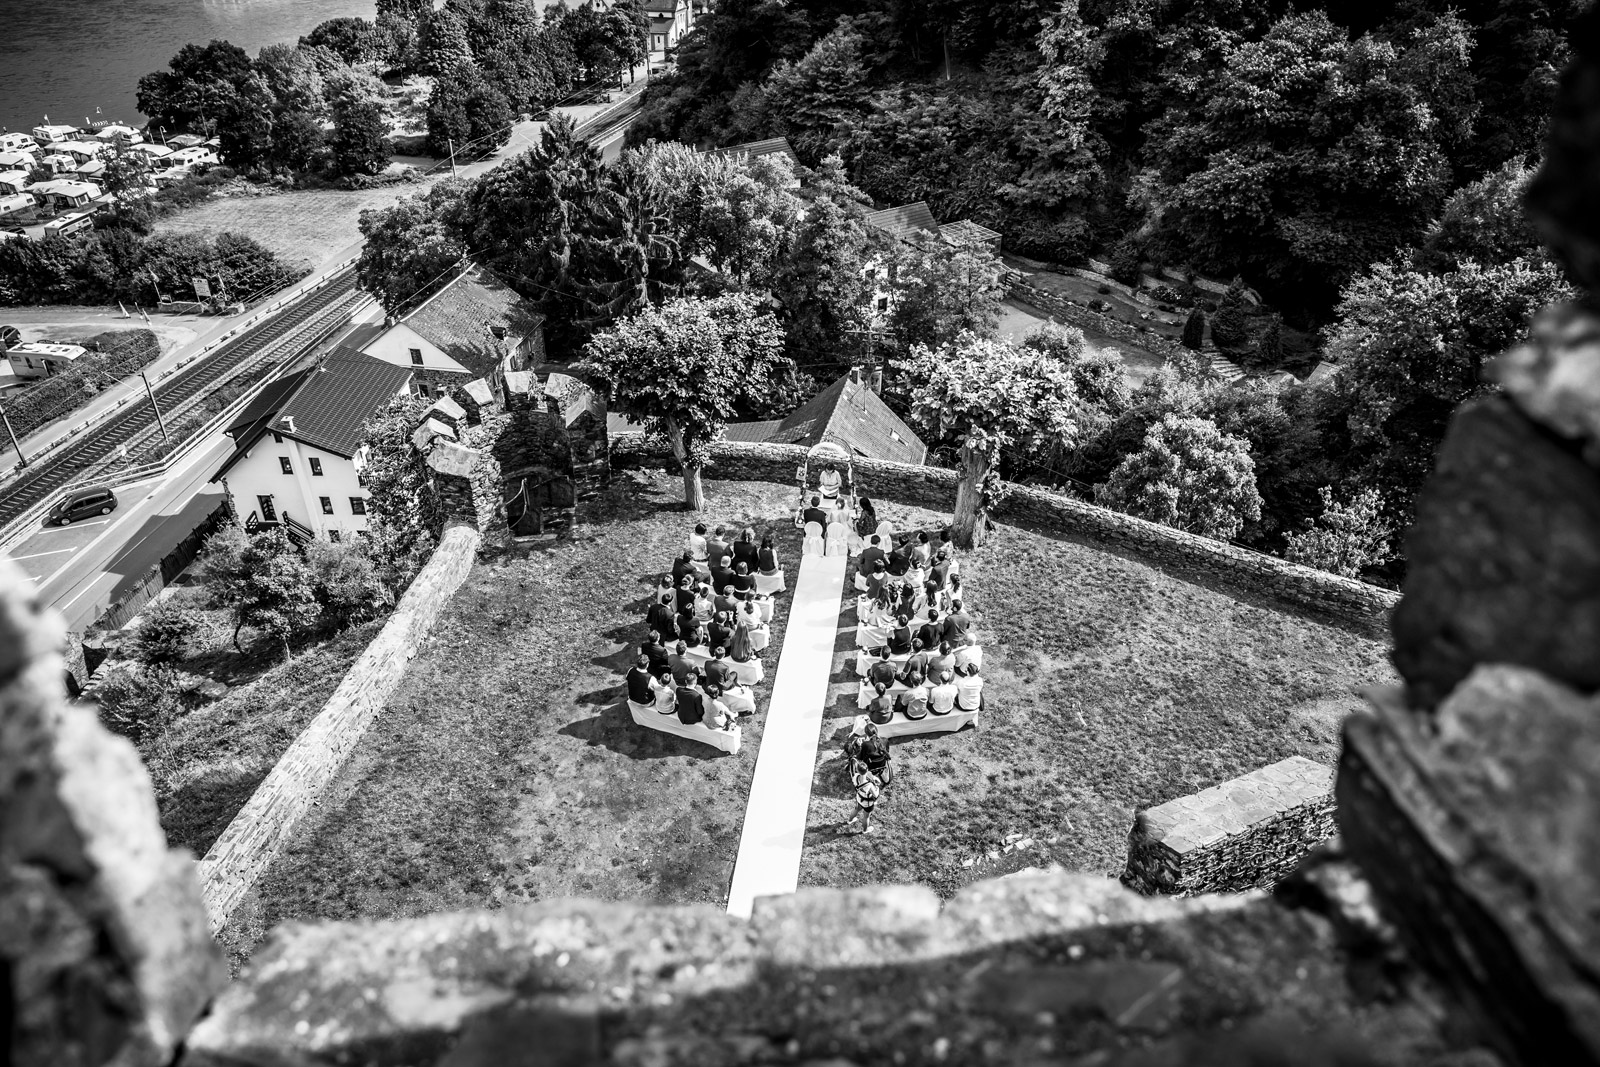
column 984, row 397
column 684, row 369
column 942, row 288
column 192, row 92
column 413, row 247
column 1187, row 474
column 359, row 142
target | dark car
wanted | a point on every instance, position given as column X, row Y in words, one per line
column 81, row 503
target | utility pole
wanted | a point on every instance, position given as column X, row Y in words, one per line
column 23, row 460
column 451, row 142
column 153, row 407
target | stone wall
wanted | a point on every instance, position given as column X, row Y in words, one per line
column 933, row 487
column 1246, row 833
column 268, row 820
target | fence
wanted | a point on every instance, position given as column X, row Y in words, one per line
column 161, row 574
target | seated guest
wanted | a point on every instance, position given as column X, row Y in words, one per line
column 697, row 637
column 683, row 668
column 655, row 651
column 740, row 648
column 969, row 689
column 945, row 660
column 881, row 710
column 915, row 666
column 940, row 571
column 945, row 543
column 870, row 556
column 717, row 545
column 967, row 654
column 666, row 692
column 866, row 518
column 691, row 703
column 684, row 622
column 744, row 583
column 942, row 697
column 877, row 579
column 767, row 558
column 881, row 673
column 719, row 631
column 717, row 714
column 722, row 571
column 830, row 481
column 913, row 703
column 912, row 600
column 922, row 551
column 704, row 608
column 745, row 550
column 875, row 754
column 931, row 632
column 725, row 600
column 720, row 671
column 749, row 614
column 956, row 624
column 815, row 514
column 639, row 688
column 660, row 618
column 900, row 637
column 697, row 543
column 683, row 567
column 685, row 594
column 899, row 562
column 952, row 591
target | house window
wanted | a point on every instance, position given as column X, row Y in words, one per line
column 316, row 469
column 277, row 438
column 416, row 357
column 658, row 41
column 327, row 505
column 358, row 505
column 284, row 464
column 883, row 303
column 268, row 512
column 361, row 479
column 333, row 536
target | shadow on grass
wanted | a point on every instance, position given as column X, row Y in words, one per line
column 615, row 729
column 195, row 816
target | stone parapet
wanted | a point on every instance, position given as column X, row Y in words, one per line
column 1366, row 606
column 269, row 818
column 1249, row 832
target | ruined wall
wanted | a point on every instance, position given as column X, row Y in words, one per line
column 268, row 820
column 932, row 487
column 1249, row 832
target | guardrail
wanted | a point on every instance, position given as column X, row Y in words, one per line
column 209, row 347
column 26, row 523
column 599, row 120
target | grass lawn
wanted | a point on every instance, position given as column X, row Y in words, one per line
column 305, row 228
column 1110, row 687
column 503, row 767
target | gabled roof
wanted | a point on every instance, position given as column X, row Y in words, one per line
column 968, row 228
column 661, row 7
column 905, row 219
column 848, row 413
column 755, row 149
column 456, row 319
column 1322, row 372
column 326, row 406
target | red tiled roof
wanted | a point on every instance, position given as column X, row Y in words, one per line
column 327, row 406
column 848, row 413
column 456, row 319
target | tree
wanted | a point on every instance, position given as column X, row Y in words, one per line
column 820, row 281
column 411, row 248
column 297, row 140
column 1188, row 475
column 262, row 580
column 446, row 49
column 825, row 89
column 353, row 40
column 1070, row 54
column 345, row 582
column 1349, row 537
column 359, row 142
column 166, row 634
column 198, row 80
column 245, row 129
column 1228, row 326
column 985, row 397
column 942, row 289
column 1194, row 330
column 684, row 368
column 1269, row 345
column 403, row 517
column 1483, row 222
column 125, row 176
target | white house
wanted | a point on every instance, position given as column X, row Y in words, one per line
column 64, row 193
column 298, row 450
column 462, row 332
column 40, row 359
column 669, row 20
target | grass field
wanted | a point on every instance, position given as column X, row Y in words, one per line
column 1110, row 687
column 305, row 228
column 503, row 767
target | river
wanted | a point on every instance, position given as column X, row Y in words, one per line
column 77, row 60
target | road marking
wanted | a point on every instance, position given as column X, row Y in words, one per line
column 37, row 555
column 74, row 526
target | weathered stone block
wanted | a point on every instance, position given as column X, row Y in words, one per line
column 1504, row 558
column 1481, row 839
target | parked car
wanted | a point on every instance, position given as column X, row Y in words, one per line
column 81, row 503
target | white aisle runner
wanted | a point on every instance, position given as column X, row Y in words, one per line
column 780, row 791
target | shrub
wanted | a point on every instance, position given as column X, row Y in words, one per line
column 139, row 703
column 1194, row 330
column 1127, row 264
column 1103, row 290
column 166, row 634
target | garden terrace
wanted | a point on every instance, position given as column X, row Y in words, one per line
column 504, row 770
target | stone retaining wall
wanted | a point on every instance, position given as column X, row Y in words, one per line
column 935, row 488
column 1247, row 833
column 268, row 820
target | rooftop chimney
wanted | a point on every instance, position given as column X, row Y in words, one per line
column 855, row 375
column 288, row 422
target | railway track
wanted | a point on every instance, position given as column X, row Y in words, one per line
column 280, row 338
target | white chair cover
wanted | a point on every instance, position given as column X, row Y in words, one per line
column 739, row 699
column 838, row 539
column 814, row 544
column 900, row 726
column 885, row 532
column 767, row 585
column 724, row 740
